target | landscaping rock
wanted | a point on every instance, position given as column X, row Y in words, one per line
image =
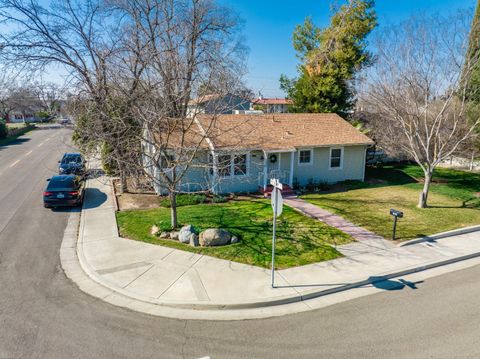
column 164, row 235
column 194, row 240
column 154, row 230
column 214, row 237
column 234, row 240
column 174, row 235
column 185, row 233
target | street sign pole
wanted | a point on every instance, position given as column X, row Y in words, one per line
column 277, row 205
column 275, row 209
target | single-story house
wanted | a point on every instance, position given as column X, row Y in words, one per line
column 15, row 116
column 241, row 153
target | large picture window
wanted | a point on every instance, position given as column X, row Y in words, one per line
column 230, row 165
column 224, row 165
column 336, row 158
column 240, row 165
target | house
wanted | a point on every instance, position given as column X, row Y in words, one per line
column 15, row 116
column 271, row 105
column 241, row 153
column 216, row 104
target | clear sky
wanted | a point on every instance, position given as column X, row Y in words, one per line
column 269, row 25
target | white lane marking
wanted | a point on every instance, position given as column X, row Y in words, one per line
column 14, row 163
column 26, row 154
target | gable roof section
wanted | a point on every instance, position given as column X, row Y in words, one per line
column 272, row 101
column 272, row 132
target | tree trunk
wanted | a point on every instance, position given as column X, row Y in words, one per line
column 173, row 209
column 472, row 159
column 422, row 202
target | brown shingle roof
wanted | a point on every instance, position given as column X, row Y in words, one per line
column 272, row 101
column 281, row 131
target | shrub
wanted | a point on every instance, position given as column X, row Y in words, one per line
column 3, row 130
column 219, row 199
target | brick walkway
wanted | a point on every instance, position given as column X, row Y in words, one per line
column 367, row 238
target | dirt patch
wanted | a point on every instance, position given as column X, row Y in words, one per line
column 137, row 201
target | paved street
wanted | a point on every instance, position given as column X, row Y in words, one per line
column 44, row 315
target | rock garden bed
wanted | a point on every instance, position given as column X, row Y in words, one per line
column 301, row 240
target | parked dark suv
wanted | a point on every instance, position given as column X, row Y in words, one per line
column 72, row 163
column 64, row 190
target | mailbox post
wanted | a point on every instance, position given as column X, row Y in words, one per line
column 396, row 214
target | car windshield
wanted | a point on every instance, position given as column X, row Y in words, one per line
column 68, row 159
column 63, row 182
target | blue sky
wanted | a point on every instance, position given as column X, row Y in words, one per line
column 269, row 25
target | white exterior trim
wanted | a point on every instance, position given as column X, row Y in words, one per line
column 342, row 152
column 292, row 165
column 364, row 164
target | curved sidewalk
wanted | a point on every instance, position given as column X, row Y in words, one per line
column 173, row 283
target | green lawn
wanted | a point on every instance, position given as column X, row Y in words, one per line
column 15, row 125
column 301, row 240
column 452, row 201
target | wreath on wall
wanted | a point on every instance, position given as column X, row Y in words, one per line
column 272, row 158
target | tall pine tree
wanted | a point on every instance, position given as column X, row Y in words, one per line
column 472, row 76
column 473, row 60
column 330, row 59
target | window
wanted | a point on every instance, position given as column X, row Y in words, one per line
column 336, row 158
column 305, row 157
column 240, row 165
column 229, row 165
column 224, row 165
column 167, row 160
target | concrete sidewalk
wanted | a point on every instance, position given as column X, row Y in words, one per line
column 147, row 277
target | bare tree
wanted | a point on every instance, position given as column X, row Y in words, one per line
column 68, row 33
column 182, row 47
column 416, row 88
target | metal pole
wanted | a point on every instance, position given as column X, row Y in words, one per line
column 275, row 189
column 394, row 226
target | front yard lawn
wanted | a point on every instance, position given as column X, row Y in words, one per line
column 300, row 240
column 453, row 201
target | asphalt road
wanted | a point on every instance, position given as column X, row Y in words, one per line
column 44, row 315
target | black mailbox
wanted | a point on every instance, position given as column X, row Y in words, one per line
column 396, row 213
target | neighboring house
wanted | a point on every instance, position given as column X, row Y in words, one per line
column 22, row 116
column 243, row 152
column 271, row 105
column 217, row 104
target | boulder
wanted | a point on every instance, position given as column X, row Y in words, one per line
column 164, row 235
column 194, row 240
column 214, row 237
column 154, row 230
column 174, row 235
column 234, row 240
column 185, row 233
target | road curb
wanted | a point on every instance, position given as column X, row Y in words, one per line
column 78, row 270
column 441, row 235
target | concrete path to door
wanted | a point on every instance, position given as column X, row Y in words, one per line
column 366, row 241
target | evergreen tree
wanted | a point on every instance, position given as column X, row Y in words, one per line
column 330, row 59
column 473, row 62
